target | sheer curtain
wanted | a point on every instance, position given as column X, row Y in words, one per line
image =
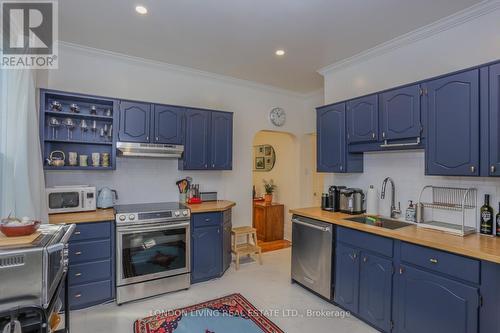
column 22, row 184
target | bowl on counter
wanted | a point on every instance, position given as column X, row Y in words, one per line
column 13, row 227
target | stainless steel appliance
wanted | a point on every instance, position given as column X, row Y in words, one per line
column 133, row 149
column 312, row 255
column 332, row 199
column 352, row 200
column 64, row 199
column 152, row 250
column 30, row 274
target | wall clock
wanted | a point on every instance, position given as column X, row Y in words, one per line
column 277, row 116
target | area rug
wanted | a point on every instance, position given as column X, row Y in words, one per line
column 229, row 314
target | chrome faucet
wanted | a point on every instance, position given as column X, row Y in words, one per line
column 395, row 213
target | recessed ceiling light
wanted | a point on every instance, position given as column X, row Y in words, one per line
column 141, row 10
column 280, row 52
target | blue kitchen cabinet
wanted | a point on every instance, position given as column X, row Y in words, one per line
column 167, row 125
column 431, row 303
column 221, row 134
column 375, row 290
column 494, row 121
column 347, row 277
column 452, row 106
column 400, row 113
column 207, row 253
column 332, row 155
column 197, row 142
column 135, row 122
column 226, row 241
column 362, row 119
column 91, row 271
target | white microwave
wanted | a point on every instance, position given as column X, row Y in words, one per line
column 68, row 199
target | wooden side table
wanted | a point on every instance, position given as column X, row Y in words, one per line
column 248, row 248
column 268, row 219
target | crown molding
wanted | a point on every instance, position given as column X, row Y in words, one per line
column 446, row 23
column 181, row 69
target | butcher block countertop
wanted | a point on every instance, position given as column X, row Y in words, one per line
column 475, row 246
column 211, row 206
column 83, row 217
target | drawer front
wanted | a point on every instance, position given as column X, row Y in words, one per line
column 443, row 262
column 89, row 294
column 87, row 231
column 364, row 240
column 89, row 251
column 89, row 272
column 206, row 219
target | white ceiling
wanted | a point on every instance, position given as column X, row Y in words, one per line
column 238, row 38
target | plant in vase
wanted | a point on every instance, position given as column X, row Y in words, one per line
column 269, row 187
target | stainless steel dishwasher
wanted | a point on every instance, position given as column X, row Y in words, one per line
column 312, row 255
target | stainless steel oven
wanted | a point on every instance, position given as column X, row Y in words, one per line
column 153, row 252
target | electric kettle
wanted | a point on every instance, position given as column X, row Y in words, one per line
column 106, row 198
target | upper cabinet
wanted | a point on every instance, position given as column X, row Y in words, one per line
column 494, row 121
column 209, row 140
column 167, row 124
column 135, row 120
column 362, row 119
column 452, row 104
column 400, row 113
column 331, row 146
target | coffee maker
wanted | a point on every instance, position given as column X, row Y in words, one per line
column 331, row 201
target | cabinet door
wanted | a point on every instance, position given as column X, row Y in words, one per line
column 134, row 122
column 452, row 104
column 375, row 290
column 331, row 145
column 400, row 111
column 433, row 304
column 196, row 149
column 207, row 253
column 226, row 245
column 347, row 277
column 494, row 121
column 167, row 124
column 221, row 147
column 362, row 119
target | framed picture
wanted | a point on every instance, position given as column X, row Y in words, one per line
column 268, row 150
column 259, row 163
column 261, row 149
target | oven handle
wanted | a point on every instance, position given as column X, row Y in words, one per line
column 324, row 229
column 142, row 228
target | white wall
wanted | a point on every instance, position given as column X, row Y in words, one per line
column 471, row 43
column 142, row 180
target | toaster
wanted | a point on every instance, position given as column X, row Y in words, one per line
column 352, row 200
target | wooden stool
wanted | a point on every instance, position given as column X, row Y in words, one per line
column 247, row 248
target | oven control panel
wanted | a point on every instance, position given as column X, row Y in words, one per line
column 153, row 216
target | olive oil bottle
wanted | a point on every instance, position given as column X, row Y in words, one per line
column 487, row 217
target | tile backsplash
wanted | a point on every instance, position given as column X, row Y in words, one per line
column 407, row 169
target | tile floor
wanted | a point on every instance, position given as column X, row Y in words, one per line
column 268, row 287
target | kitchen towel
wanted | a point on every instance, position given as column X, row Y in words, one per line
column 372, row 201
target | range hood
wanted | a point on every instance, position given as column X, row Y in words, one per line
column 131, row 149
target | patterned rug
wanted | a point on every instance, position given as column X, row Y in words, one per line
column 229, row 314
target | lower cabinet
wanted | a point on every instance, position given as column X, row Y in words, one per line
column 347, row 277
column 91, row 264
column 434, row 304
column 210, row 245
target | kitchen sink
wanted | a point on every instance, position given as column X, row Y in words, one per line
column 379, row 222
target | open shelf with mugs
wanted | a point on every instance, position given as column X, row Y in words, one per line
column 77, row 132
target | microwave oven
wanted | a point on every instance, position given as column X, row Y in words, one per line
column 68, row 199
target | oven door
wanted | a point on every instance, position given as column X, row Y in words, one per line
column 148, row 252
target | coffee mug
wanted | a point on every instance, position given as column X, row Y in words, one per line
column 105, row 159
column 73, row 158
column 96, row 159
column 83, row 160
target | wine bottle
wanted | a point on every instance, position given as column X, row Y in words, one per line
column 498, row 220
column 486, row 217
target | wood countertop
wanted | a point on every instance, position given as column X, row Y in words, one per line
column 211, row 206
column 475, row 246
column 83, row 217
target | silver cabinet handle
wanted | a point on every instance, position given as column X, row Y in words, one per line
column 147, row 138
column 313, row 226
column 365, row 259
column 355, row 255
column 389, row 145
column 493, row 169
column 341, row 168
column 383, row 135
column 213, row 165
column 472, row 169
column 373, row 135
column 433, row 260
column 78, row 274
column 78, row 295
column 78, row 253
column 157, row 139
column 77, row 233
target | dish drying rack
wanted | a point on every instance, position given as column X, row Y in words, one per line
column 450, row 199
